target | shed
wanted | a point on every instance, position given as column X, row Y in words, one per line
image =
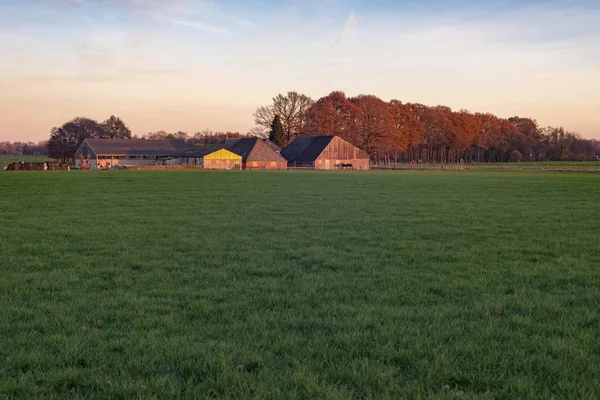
column 257, row 154
column 324, row 152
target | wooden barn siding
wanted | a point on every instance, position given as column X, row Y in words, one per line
column 265, row 165
column 222, row 164
column 341, row 152
column 339, row 149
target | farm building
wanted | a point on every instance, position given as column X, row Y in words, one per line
column 221, row 159
column 257, row 154
column 108, row 153
column 324, row 152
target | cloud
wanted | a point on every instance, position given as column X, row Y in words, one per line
column 199, row 25
column 348, row 26
column 126, row 74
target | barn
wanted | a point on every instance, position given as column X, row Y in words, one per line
column 324, row 152
column 257, row 154
column 109, row 153
column 221, row 159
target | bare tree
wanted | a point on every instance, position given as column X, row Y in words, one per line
column 291, row 109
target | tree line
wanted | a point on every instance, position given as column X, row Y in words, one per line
column 390, row 131
column 410, row 132
column 26, row 148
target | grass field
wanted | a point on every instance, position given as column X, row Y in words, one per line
column 552, row 166
column 299, row 285
column 11, row 158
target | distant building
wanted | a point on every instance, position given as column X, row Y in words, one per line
column 221, row 159
column 257, row 153
column 324, row 152
column 109, row 153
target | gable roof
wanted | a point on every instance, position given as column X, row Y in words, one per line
column 165, row 148
column 136, row 146
column 306, row 148
column 255, row 149
column 272, row 145
column 230, row 142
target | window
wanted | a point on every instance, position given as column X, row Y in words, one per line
column 254, row 163
column 273, row 164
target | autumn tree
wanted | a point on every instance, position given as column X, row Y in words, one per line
column 333, row 115
column 408, row 129
column 291, row 109
column 375, row 126
column 277, row 133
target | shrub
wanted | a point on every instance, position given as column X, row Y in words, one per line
column 516, row 156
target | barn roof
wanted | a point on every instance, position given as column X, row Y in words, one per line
column 255, row 149
column 272, row 145
column 137, row 146
column 306, row 148
column 172, row 148
column 230, row 142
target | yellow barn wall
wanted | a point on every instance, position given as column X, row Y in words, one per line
column 223, row 155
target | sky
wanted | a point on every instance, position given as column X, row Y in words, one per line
column 191, row 65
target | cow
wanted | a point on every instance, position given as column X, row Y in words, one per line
column 39, row 166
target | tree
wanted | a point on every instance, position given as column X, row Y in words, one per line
column 559, row 142
column 115, row 128
column 180, row 135
column 516, row 156
column 375, row 125
column 531, row 140
column 291, row 109
column 409, row 130
column 277, row 134
column 160, row 135
column 333, row 115
column 65, row 140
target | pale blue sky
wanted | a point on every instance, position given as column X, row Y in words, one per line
column 189, row 65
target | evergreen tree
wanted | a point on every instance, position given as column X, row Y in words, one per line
column 277, row 134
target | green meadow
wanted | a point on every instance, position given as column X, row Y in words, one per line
column 6, row 159
column 299, row 285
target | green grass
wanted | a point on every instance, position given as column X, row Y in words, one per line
column 6, row 159
column 577, row 166
column 299, row 285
